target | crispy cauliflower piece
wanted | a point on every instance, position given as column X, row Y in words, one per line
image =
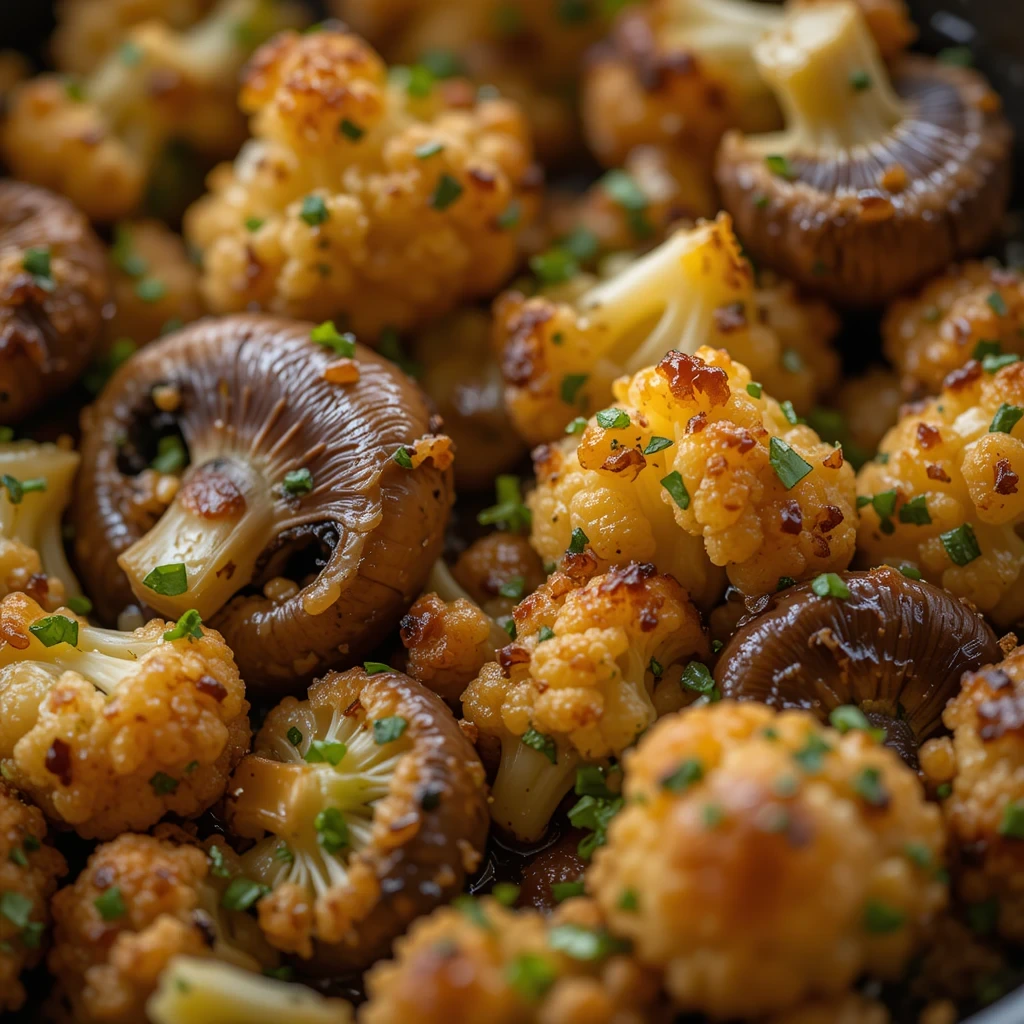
column 140, row 902
column 482, row 963
column 369, row 807
column 497, row 570
column 867, row 406
column 719, row 800
column 98, row 141
column 696, row 455
column 972, row 310
column 560, row 359
column 982, row 767
column 110, row 731
column 590, row 669
column 385, row 203
column 37, row 481
column 29, row 869
column 942, row 494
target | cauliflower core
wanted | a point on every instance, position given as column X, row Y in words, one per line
column 29, row 869
column 560, row 359
column 385, row 203
column 942, row 494
column 590, row 669
column 697, row 456
column 769, row 859
column 375, row 807
column 110, row 731
column 139, row 902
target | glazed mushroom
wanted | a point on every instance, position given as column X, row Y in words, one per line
column 310, row 511
column 376, row 809
column 894, row 647
column 53, row 285
column 875, row 184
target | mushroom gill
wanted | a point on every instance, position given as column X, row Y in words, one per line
column 223, row 471
column 896, row 648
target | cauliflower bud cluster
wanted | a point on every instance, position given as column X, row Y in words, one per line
column 382, row 201
column 762, row 859
column 110, row 731
column 942, row 494
column 696, row 467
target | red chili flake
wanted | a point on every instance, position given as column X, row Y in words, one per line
column 697, row 423
column 58, row 761
column 829, row 519
column 791, row 517
column 211, row 687
column 936, row 472
column 927, row 436
column 834, row 460
column 1006, row 479
column 965, row 375
column 732, row 317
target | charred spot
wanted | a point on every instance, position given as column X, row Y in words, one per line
column 732, row 317
column 510, row 655
column 927, row 436
column 38, row 587
column 148, row 426
column 416, row 626
column 686, row 375
column 998, row 717
column 483, row 178
column 625, row 460
column 829, row 519
column 1005, row 479
column 697, row 423
column 834, row 460
column 58, row 761
column 632, row 577
column 204, row 925
column 355, row 708
column 211, row 687
column 736, row 437
column 210, row 493
column 579, row 567
column 298, row 554
column 791, row 519
column 936, row 472
column 523, row 356
column 962, row 377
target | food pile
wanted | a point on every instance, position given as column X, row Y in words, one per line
column 441, row 583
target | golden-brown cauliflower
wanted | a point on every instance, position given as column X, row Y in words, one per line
column 980, row 772
column 480, row 963
column 497, row 570
column 29, row 869
column 762, row 859
column 560, row 358
column 591, row 667
column 866, row 407
column 942, row 494
column 378, row 203
column 369, row 807
column 110, row 731
column 97, row 141
column 140, row 901
column 972, row 310
column 697, row 467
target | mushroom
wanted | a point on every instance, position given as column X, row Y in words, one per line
column 309, row 514
column 894, row 647
column 53, row 285
column 877, row 182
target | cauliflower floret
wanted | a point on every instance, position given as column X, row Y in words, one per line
column 29, row 869
column 560, row 358
column 481, row 963
column 591, row 668
column 368, row 790
column 139, row 902
column 982, row 767
column 155, row 284
column 768, row 860
column 110, row 731
column 865, row 408
column 499, row 569
column 97, row 141
column 381, row 202
column 36, row 482
column 972, row 310
column 942, row 494
column 697, row 456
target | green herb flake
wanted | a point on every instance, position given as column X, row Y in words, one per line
column 1011, row 824
column 563, row 891
column 915, row 512
column 428, row 149
column 447, row 191
column 326, row 752
column 188, row 625
column 657, row 444
column 576, row 425
column 243, row 893
column 697, row 677
column 996, row 303
column 219, row 866
column 110, row 904
column 789, row 467
column 1005, row 419
column 754, row 389
column 55, row 629
column 471, row 908
column 961, row 544
column 628, row 900
column 506, row 893
column 860, row 81
column 314, row 211
column 918, row 854
column 387, row 730
column 36, row 262
column 332, row 830
column 191, row 767
column 351, row 130
column 545, row 633
column 171, row 455
column 943, row 790
column 993, row 364
column 514, row 588
column 789, row 412
column 869, row 786
column 830, row 584
column 297, row 482
column 294, row 736
column 581, row 943
column 17, row 856
column 811, row 756
column 168, row 580
column 509, row 512
column 555, row 266
column 584, row 247
column 911, row 572
column 881, row 919
column 531, row 975
column 163, row 784
column 402, row 457
column 687, row 774
column 283, row 853
column 571, row 385
column 329, row 336
column 785, row 582
column 780, row 166
column 16, row 908
column 151, row 289
column 578, row 541
column 986, row 348
column 542, row 744
column 673, row 484
column 613, row 419
column 590, row 781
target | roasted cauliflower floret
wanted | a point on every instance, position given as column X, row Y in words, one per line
column 380, row 202
column 375, row 805
column 36, row 482
column 29, row 869
column 979, row 771
column 697, row 455
column 942, row 494
column 480, row 963
column 721, row 798
column 590, row 669
column 98, row 140
column 972, row 310
column 139, row 902
column 110, row 731
column 866, row 407
column 497, row 570
column 560, row 359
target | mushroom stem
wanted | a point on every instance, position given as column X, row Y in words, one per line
column 829, row 79
column 221, row 520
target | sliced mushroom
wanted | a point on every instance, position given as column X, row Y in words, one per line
column 53, row 285
column 876, row 183
column 895, row 648
column 308, row 516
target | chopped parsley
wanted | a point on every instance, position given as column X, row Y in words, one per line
column 860, row 81
column 780, row 166
column 789, row 467
column 571, row 384
column 657, row 444
column 1005, row 419
column 242, row 893
column 329, row 336
column 531, row 975
column 916, row 511
column 868, row 785
column 961, row 544
column 577, row 425
column 297, row 482
column 1011, row 824
column 387, row 730
column 514, row 587
column 36, row 262
column 584, row 943
column 542, row 744
column 163, row 784
column 555, row 266
column 563, row 891
column 332, row 830
column 110, row 904
column 428, row 149
column 447, row 191
column 402, row 457
column 509, row 512
column 294, row 736
column 314, row 211
column 697, row 677
column 578, row 541
column 189, row 625
column 689, row 772
column 754, row 389
column 171, row 455
column 996, row 303
column 168, row 580
column 350, row 130
column 881, row 919
column 613, row 419
column 673, row 484
column 811, row 755
column 55, row 629
column 830, row 584
column 326, row 752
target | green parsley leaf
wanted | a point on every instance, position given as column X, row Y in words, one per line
column 545, row 633
column 576, row 425
column 697, row 677
column 327, row 334
column 811, row 755
column 17, row 489
column 986, row 348
column 1005, row 419
column 673, row 483
column 506, row 893
column 219, row 866
column 171, row 455
column 657, row 444
column 387, row 730
column 754, row 389
column 563, row 891
column 110, row 905
column 830, row 584
column 881, row 919
column 351, row 130
column 961, row 544
column 531, row 975
column 242, row 893
column 284, row 854
column 578, row 541
column 584, row 943
column 471, row 908
column 984, row 916
column 916, row 511
column 151, row 289
column 294, row 736
column 372, row 668
column 860, row 81
column 996, row 303
column 17, row 856
column 571, row 384
column 780, row 166
column 509, row 512
column 628, row 900
column 543, row 744
column 326, row 752
column 332, row 830
column 690, row 772
column 188, row 625
column 993, row 364
column 789, row 467
column 590, row 781
column 163, row 783
column 613, row 419
column 712, row 815
column 314, row 211
column 402, row 457
column 911, row 573
column 55, row 629
column 168, row 580
column 785, row 582
column 297, row 482
column 555, row 266
column 789, row 412
column 868, row 785
column 1011, row 824
column 656, row 667
column 447, row 191
column 36, row 261
column 514, row 587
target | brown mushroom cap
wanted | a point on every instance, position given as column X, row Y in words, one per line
column 896, row 648
column 872, row 188
column 49, row 326
column 343, row 561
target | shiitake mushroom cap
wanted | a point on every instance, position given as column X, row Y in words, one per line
column 896, row 648
column 251, row 403
column 49, row 323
